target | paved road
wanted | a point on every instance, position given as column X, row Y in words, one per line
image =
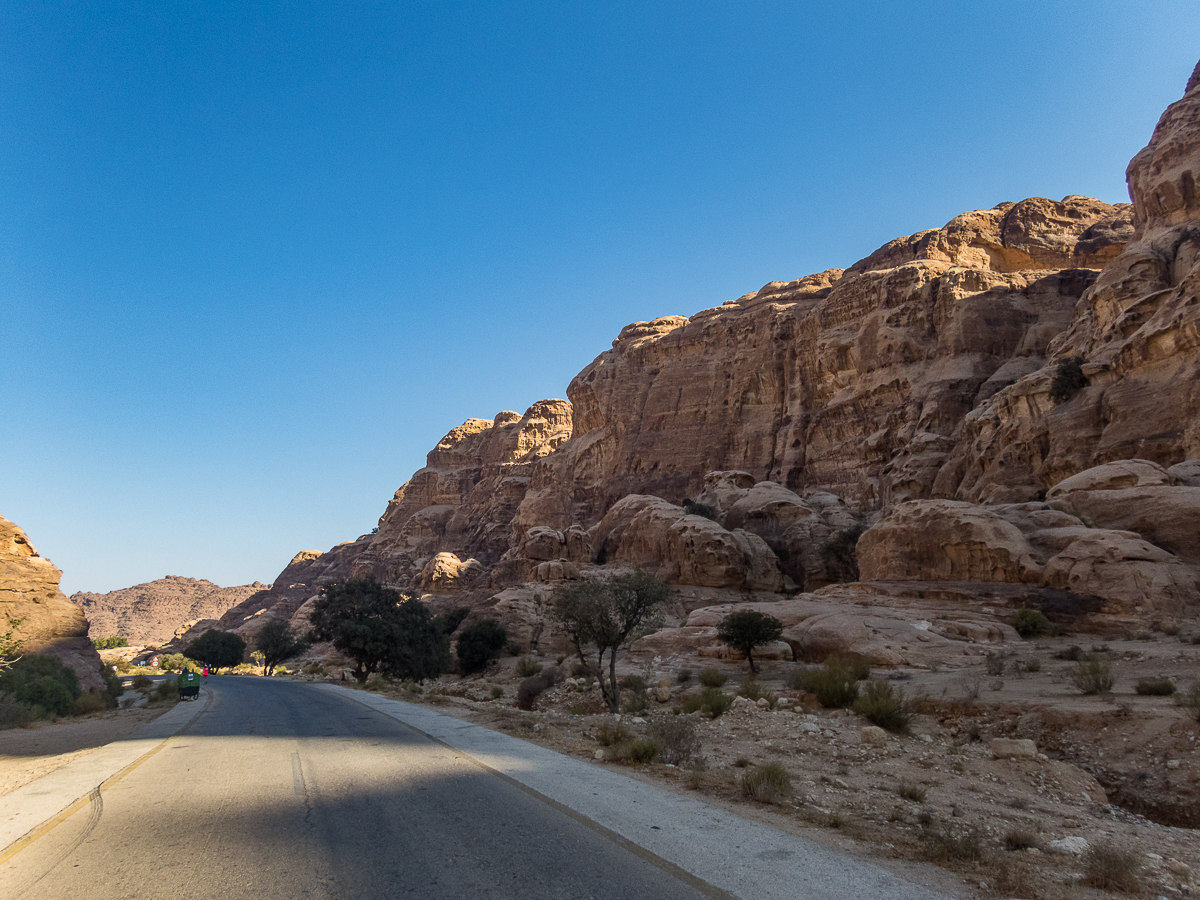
column 288, row 790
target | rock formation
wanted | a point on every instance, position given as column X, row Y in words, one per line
column 49, row 623
column 740, row 452
column 150, row 614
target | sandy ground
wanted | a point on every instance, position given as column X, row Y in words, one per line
column 27, row 754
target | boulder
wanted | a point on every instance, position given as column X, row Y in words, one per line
column 873, row 736
column 1013, row 748
column 647, row 531
column 445, row 573
column 1132, row 575
column 945, row 540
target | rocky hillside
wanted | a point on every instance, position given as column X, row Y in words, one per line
column 150, row 614
column 49, row 622
column 907, row 396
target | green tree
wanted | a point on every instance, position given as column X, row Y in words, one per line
column 277, row 642
column 380, row 629
column 606, row 616
column 1069, row 379
column 110, row 643
column 480, row 643
column 10, row 647
column 746, row 629
column 42, row 683
column 216, row 649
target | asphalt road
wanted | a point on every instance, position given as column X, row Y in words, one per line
column 280, row 790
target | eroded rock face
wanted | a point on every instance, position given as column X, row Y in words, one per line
column 687, row 549
column 151, row 614
column 50, row 624
column 946, row 540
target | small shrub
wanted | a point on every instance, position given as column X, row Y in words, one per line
column 711, row 678
column 14, row 714
column 580, row 669
column 1171, row 630
column 683, row 676
column 678, row 738
column 1155, row 687
column 376, row 683
column 911, row 791
column 691, row 507
column 710, row 702
column 1019, row 839
column 1074, row 653
column 1092, row 675
column 836, row 820
column 637, row 699
column 90, row 702
column 1030, row 623
column 639, row 751
column 1192, row 700
column 529, row 690
column 768, row 783
column 166, row 691
column 313, row 668
column 1068, row 379
column 996, row 663
column 1033, row 665
column 141, row 683
column 1196, row 638
column 528, row 666
column 885, row 706
column 1111, row 869
column 942, row 844
column 610, row 734
column 835, row 683
column 839, row 554
column 479, row 643
column 751, row 689
column 497, row 692
column 410, row 687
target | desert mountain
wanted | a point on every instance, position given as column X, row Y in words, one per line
column 49, row 623
column 907, row 396
column 149, row 614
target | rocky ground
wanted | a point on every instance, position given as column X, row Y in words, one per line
column 1115, row 773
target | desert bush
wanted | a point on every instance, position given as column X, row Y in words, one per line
column 14, row 714
column 110, row 643
column 1171, row 630
column 1019, row 839
column 1033, row 665
column 497, row 692
column 711, row 678
column 531, row 688
column 768, row 783
column 835, row 683
column 177, row 662
column 885, row 706
column 528, row 666
column 1192, row 700
column 166, row 691
column 683, row 676
column 700, row 509
column 996, row 662
column 113, row 686
column 638, row 751
column 1110, row 868
column 910, row 790
column 941, row 843
column 124, row 666
column 678, row 738
column 90, row 702
column 1092, row 675
column 839, row 555
column 480, row 643
column 1155, row 687
column 141, row 683
column 1195, row 638
column 1068, row 379
column 1030, row 623
column 751, row 689
column 1074, row 653
column 376, row 683
column 638, row 698
column 710, row 702
column 42, row 683
column 610, row 734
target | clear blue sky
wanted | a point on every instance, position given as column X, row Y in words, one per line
column 257, row 258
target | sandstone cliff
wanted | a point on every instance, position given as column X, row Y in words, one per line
column 149, row 614
column 49, row 623
column 907, row 396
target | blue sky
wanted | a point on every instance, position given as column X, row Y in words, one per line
column 257, row 258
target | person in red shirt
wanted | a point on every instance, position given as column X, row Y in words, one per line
column 206, row 674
